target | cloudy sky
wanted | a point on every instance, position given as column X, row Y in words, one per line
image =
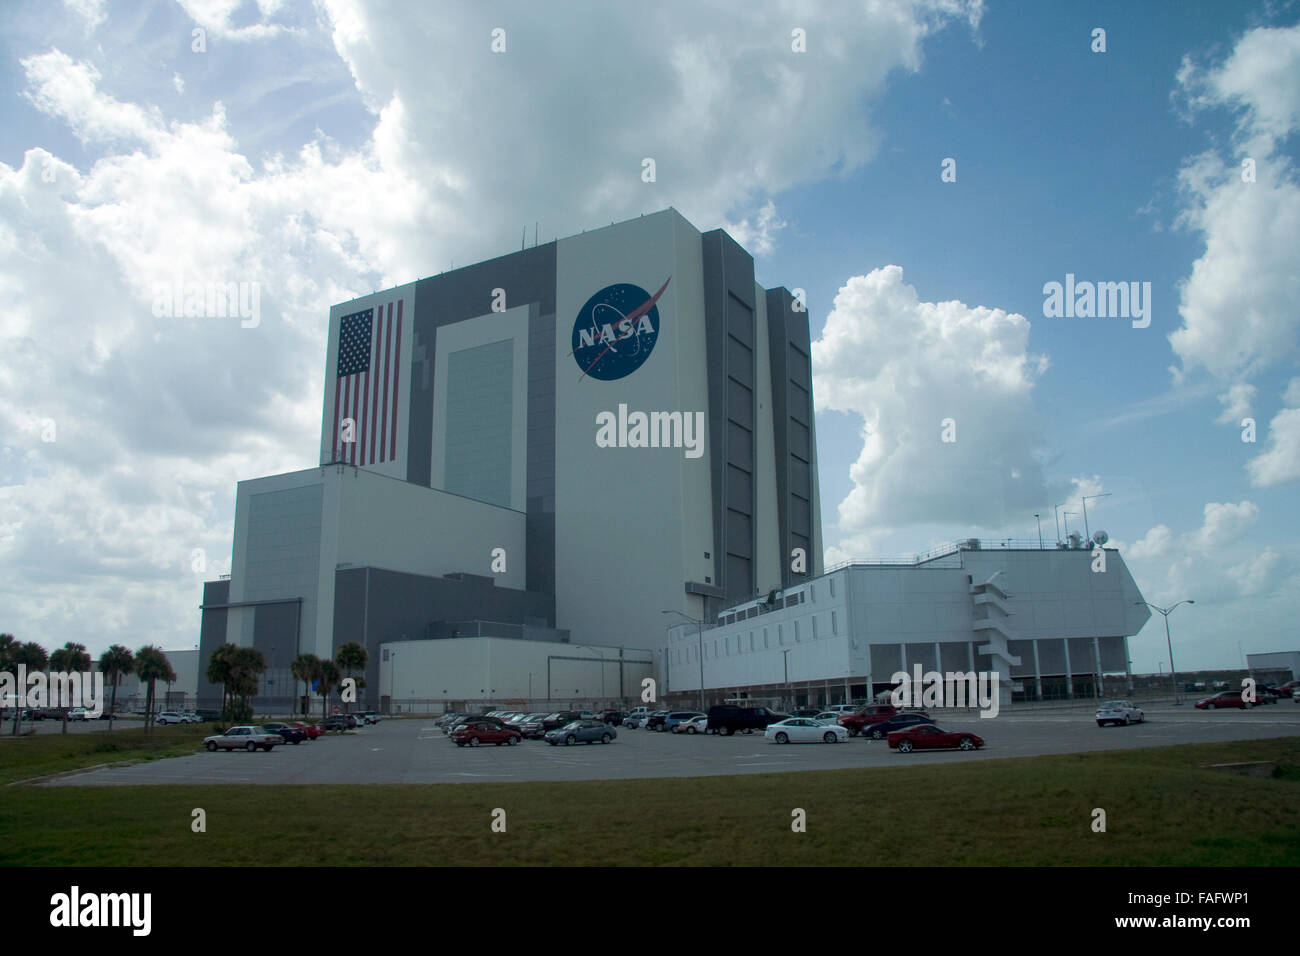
column 922, row 170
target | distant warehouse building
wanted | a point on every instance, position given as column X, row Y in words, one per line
column 1043, row 619
column 1276, row 667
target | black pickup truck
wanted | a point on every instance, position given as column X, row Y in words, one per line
column 726, row 719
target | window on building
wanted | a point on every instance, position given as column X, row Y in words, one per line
column 812, row 593
column 832, row 584
column 751, row 640
column 780, row 635
column 767, row 641
column 814, row 626
column 834, row 628
column 796, row 632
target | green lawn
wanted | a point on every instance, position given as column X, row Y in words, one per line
column 1162, row 809
column 33, row 755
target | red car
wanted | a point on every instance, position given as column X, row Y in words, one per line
column 311, row 730
column 871, row 714
column 1227, row 698
column 477, row 732
column 930, row 737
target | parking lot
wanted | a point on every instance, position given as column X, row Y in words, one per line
column 415, row 751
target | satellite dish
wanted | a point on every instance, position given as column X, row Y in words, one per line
column 1101, row 537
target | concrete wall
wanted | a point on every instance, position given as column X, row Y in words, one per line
column 490, row 668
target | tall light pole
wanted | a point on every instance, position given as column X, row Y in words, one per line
column 1067, row 522
column 392, row 680
column 1057, row 513
column 699, row 630
column 785, row 661
column 1040, row 532
column 1166, row 611
column 1086, row 532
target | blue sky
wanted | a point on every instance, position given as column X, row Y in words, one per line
column 326, row 149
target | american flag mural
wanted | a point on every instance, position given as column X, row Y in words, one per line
column 366, row 384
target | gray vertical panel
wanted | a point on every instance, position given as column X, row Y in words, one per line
column 729, row 328
column 792, row 411
column 212, row 634
column 528, row 277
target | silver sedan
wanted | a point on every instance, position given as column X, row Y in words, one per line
column 245, row 738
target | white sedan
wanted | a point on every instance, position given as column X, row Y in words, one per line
column 696, row 725
column 1118, row 712
column 804, row 730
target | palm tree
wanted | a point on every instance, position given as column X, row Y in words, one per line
column 220, row 667
column 34, row 657
column 70, row 659
column 8, row 648
column 328, row 678
column 351, row 657
column 247, row 665
column 114, row 663
column 306, row 668
column 151, row 666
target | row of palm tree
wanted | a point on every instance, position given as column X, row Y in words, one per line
column 149, row 664
column 237, row 670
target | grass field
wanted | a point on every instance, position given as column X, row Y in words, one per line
column 33, row 755
column 1162, row 806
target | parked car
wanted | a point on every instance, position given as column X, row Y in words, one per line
column 477, row 732
column 639, row 714
column 633, row 721
column 612, row 717
column 462, row 721
column 558, row 719
column 531, row 726
column 931, row 737
column 696, row 725
column 1288, row 689
column 881, row 730
column 863, row 716
column 581, row 731
column 675, row 717
column 726, row 719
column 1227, row 698
column 805, row 712
column 804, row 730
column 78, row 713
column 339, row 722
column 206, row 716
column 311, row 730
column 655, row 721
column 290, row 733
column 171, row 717
column 1118, row 712
column 243, row 738
column 373, row 716
column 1264, row 696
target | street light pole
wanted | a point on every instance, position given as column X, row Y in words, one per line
column 1040, row 532
column 1086, row 532
column 1166, row 611
column 699, row 632
column 1057, row 513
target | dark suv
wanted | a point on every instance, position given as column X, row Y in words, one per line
column 726, row 719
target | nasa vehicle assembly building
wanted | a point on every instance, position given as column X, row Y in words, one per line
column 524, row 463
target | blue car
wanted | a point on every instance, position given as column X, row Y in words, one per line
column 897, row 722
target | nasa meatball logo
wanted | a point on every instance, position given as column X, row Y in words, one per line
column 616, row 331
